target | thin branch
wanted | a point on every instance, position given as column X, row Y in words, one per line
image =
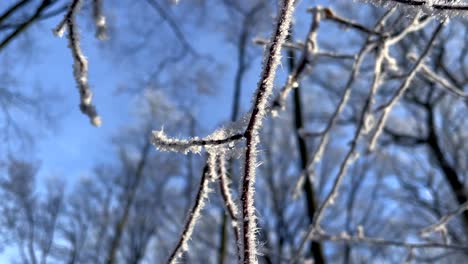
column 23, row 26
column 440, row 226
column 229, row 203
column 384, row 242
column 162, row 142
column 351, row 155
column 208, row 175
column 173, row 25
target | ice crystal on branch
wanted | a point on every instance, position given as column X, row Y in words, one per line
column 80, row 63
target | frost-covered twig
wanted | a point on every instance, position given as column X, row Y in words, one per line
column 80, row 63
column 386, row 109
column 230, row 205
column 440, row 226
column 208, row 175
column 317, row 53
column 99, row 20
column 161, row 141
column 265, row 87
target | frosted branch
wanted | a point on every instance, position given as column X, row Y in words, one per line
column 165, row 143
column 265, row 87
column 80, row 63
column 209, row 174
column 230, row 205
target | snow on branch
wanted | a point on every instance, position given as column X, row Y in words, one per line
column 80, row 63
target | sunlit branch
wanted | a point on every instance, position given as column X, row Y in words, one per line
column 264, row 90
column 161, row 141
column 80, row 66
column 230, row 205
column 208, row 175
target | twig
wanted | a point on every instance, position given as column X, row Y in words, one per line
column 161, row 141
column 443, row 221
column 229, row 203
column 209, row 174
column 80, row 66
